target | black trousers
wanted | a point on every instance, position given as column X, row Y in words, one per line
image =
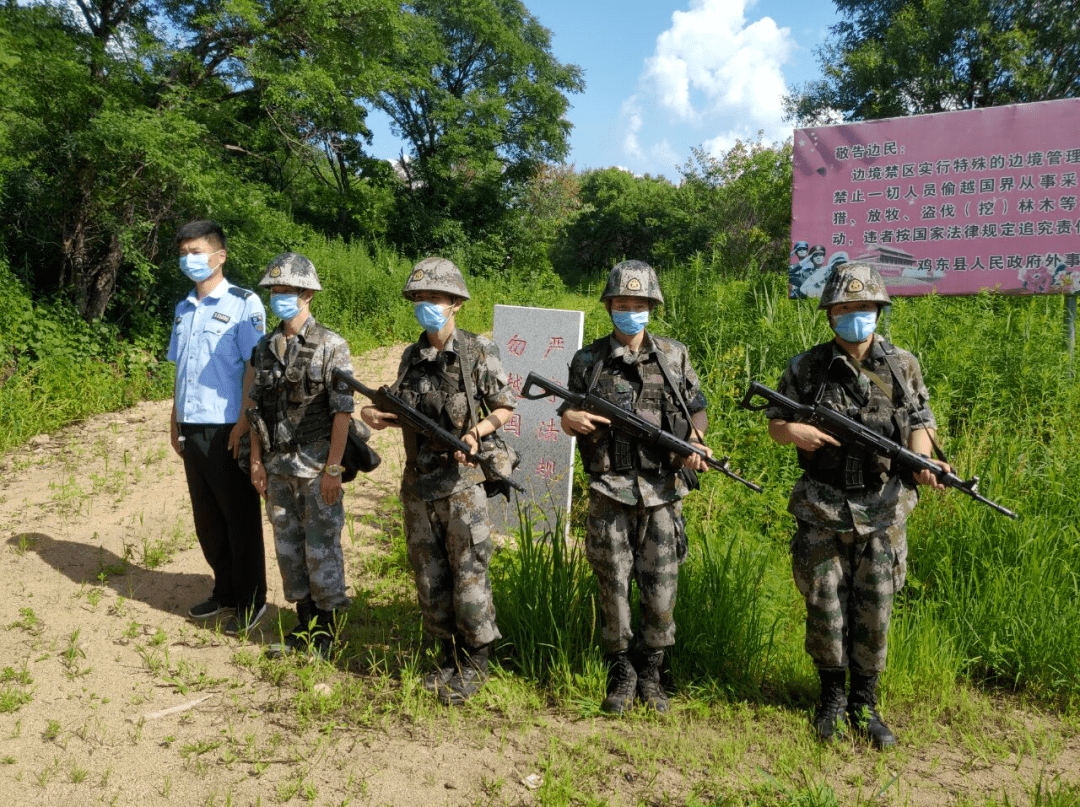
column 228, row 515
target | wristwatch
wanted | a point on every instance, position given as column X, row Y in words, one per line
column 334, row 470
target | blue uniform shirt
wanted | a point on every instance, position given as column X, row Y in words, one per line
column 211, row 340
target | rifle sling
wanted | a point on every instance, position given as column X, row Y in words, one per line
column 909, row 396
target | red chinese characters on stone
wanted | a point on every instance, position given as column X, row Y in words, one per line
column 516, row 345
column 547, row 432
column 515, row 382
column 513, row 425
column 556, row 343
column 545, row 468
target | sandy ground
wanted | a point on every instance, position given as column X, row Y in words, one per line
column 109, row 694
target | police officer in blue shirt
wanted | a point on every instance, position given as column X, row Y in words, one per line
column 215, row 329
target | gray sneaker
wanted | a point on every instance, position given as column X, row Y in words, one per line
column 207, row 609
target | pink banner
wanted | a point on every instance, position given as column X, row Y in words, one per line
column 951, row 203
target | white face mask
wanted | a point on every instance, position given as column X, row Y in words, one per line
column 196, row 266
column 855, row 326
column 630, row 322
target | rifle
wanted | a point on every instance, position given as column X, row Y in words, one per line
column 850, row 431
column 386, row 401
column 630, row 423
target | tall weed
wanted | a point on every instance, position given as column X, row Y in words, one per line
column 545, row 598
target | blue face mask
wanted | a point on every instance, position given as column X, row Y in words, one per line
column 430, row 316
column 285, row 306
column 196, row 266
column 855, row 326
column 630, row 322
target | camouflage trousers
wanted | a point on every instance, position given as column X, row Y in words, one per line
column 307, row 537
column 633, row 542
column 450, row 546
column 848, row 582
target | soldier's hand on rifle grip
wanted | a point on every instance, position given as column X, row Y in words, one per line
column 695, row 462
column 578, row 421
column 474, row 448
column 377, row 419
column 803, row 435
column 929, row 478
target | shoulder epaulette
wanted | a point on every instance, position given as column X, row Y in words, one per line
column 243, row 294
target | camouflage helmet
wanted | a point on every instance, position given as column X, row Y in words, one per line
column 291, row 269
column 853, row 283
column 436, row 274
column 633, row 279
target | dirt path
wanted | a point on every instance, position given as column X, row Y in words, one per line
column 109, row 694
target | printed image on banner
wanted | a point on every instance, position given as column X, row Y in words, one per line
column 540, row 340
column 951, row 203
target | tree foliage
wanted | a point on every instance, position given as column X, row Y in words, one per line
column 889, row 58
column 480, row 100
column 121, row 118
column 737, row 206
column 733, row 210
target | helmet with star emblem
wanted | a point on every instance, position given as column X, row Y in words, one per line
column 853, row 283
column 633, row 279
column 291, row 269
column 436, row 274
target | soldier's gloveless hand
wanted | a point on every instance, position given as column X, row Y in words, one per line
column 578, row 421
column 330, row 487
column 377, row 419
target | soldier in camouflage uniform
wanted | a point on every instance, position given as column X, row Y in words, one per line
column 849, row 553
column 302, row 424
column 455, row 378
column 636, row 530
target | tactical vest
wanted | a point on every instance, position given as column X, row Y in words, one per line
column 294, row 405
column 862, row 399
column 640, row 388
column 436, row 388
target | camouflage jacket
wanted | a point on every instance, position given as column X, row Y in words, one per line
column 292, row 375
column 624, row 372
column 828, row 374
column 431, row 381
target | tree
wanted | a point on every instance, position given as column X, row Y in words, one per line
column 736, row 207
column 622, row 216
column 122, row 132
column 890, row 58
column 480, row 100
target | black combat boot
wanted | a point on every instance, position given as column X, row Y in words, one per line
column 433, row 681
column 829, row 714
column 650, row 660
column 323, row 633
column 862, row 711
column 622, row 681
column 468, row 676
column 296, row 640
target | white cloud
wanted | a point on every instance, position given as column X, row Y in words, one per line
column 711, row 61
column 631, row 110
column 714, row 77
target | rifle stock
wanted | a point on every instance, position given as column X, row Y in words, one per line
column 847, row 430
column 630, row 423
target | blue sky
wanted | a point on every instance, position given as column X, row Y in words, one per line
column 663, row 76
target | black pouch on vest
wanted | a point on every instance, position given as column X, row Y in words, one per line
column 359, row 457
